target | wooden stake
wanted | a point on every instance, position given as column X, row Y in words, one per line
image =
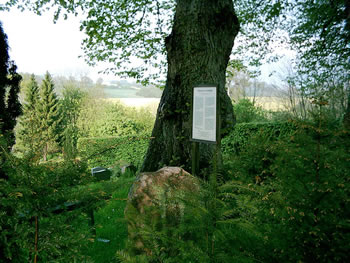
column 195, row 158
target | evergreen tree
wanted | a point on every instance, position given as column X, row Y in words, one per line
column 49, row 115
column 28, row 138
column 70, row 106
column 4, row 58
column 10, row 107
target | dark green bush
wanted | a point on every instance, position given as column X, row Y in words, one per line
column 243, row 133
column 302, row 178
column 28, row 195
column 312, row 171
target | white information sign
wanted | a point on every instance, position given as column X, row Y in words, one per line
column 204, row 114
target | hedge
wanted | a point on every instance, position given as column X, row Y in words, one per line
column 237, row 138
column 111, row 151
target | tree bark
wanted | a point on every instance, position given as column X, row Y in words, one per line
column 198, row 50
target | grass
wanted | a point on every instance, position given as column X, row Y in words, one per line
column 70, row 234
column 110, row 225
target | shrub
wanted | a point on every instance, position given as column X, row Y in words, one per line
column 243, row 133
column 100, row 118
column 312, row 176
column 246, row 111
column 304, row 185
column 28, row 196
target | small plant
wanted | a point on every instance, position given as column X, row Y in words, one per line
column 246, row 111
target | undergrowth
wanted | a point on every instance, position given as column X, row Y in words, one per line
column 281, row 196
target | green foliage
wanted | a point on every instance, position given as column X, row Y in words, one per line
column 323, row 34
column 207, row 227
column 142, row 26
column 74, row 116
column 246, row 111
column 303, row 187
column 100, row 118
column 110, row 151
column 28, row 195
column 319, row 32
column 70, row 141
column 70, row 107
column 71, row 104
column 27, row 136
column 11, row 241
column 31, row 95
column 49, row 115
column 117, row 31
column 279, row 116
column 313, row 180
column 244, row 133
column 259, row 32
column 284, row 189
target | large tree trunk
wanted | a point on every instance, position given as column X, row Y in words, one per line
column 198, row 49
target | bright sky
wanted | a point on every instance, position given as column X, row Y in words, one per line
column 38, row 45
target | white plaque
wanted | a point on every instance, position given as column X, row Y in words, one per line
column 204, row 114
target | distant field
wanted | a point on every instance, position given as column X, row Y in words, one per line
column 271, row 103
column 113, row 92
column 150, row 103
column 267, row 103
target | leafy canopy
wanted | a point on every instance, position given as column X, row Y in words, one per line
column 127, row 34
column 130, row 34
column 319, row 31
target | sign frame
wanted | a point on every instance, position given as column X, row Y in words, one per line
column 217, row 128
